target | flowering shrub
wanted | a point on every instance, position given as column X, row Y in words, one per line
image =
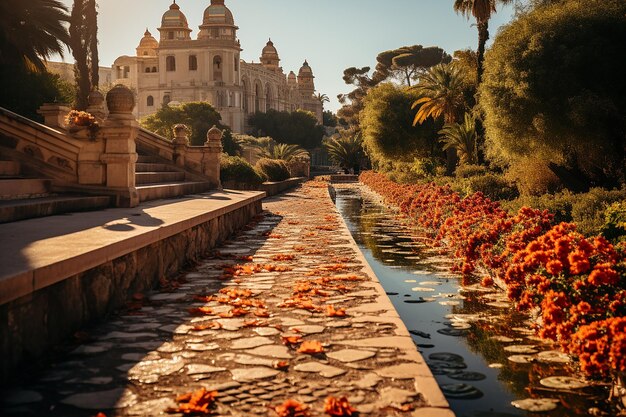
column 80, row 118
column 576, row 282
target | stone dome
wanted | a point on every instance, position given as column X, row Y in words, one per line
column 269, row 49
column 148, row 41
column 218, row 14
column 120, row 99
column 305, row 70
column 174, row 18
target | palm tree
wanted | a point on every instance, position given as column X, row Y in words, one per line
column 441, row 91
column 272, row 150
column 482, row 11
column 323, row 98
column 347, row 152
column 31, row 31
column 462, row 137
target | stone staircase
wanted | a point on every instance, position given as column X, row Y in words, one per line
column 157, row 178
column 23, row 197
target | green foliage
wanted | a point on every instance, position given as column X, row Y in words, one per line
column 273, row 169
column 330, row 119
column 408, row 62
column 468, row 170
column 387, row 129
column 533, row 177
column 554, row 90
column 297, row 128
column 83, row 32
column 29, row 31
column 440, row 94
column 614, row 227
column 230, row 144
column 284, row 152
column 24, row 92
column 346, row 151
column 235, row 168
column 461, row 137
column 491, row 185
column 198, row 116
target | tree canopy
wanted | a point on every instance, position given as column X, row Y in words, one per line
column 198, row 116
column 386, row 123
column 298, row 128
column 407, row 63
column 554, row 89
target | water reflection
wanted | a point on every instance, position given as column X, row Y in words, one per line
column 482, row 352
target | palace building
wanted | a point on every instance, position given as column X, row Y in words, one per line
column 180, row 68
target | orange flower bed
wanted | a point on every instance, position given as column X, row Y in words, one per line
column 577, row 282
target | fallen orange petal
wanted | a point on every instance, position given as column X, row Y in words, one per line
column 292, row 408
column 338, row 407
column 311, row 347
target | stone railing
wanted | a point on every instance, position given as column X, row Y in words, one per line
column 202, row 160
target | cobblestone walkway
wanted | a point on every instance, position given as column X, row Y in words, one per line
column 245, row 324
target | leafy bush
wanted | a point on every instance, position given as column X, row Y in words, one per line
column 552, row 90
column 588, row 209
column 614, row 226
column 273, row 169
column 492, row 186
column 533, row 177
column 237, row 169
column 559, row 204
column 467, row 171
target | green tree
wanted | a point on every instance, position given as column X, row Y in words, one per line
column 346, row 150
column 554, row 90
column 30, row 32
column 481, row 10
column 408, row 62
column 198, row 116
column 322, row 98
column 329, row 118
column 297, row 128
column 229, row 143
column 462, row 138
column 352, row 102
column 388, row 133
column 440, row 93
column 84, row 45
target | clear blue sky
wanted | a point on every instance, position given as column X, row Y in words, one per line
column 331, row 34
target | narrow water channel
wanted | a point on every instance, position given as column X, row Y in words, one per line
column 482, row 352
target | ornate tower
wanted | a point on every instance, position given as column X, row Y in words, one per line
column 174, row 25
column 148, row 45
column 218, row 24
column 305, row 80
column 269, row 57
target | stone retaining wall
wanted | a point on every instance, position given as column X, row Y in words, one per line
column 273, row 188
column 31, row 325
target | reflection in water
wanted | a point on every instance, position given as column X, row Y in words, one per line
column 482, row 352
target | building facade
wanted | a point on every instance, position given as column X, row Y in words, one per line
column 178, row 68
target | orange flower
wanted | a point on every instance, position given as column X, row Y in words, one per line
column 338, row 407
column 292, row 408
column 213, row 325
column 200, row 311
column 292, row 340
column 311, row 347
column 260, row 312
column 235, row 312
column 197, row 402
column 280, row 365
column 554, row 267
column 331, row 312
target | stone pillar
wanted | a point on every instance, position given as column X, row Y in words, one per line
column 181, row 143
column 96, row 105
column 211, row 157
column 54, row 114
column 120, row 131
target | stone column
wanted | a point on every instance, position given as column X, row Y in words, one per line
column 120, row 131
column 211, row 157
column 54, row 114
column 181, row 143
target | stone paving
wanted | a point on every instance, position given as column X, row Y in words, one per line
column 245, row 324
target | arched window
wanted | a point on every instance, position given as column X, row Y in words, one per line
column 150, row 101
column 193, row 63
column 154, row 69
column 268, row 97
column 170, row 63
column 166, row 99
column 236, row 63
column 147, row 69
column 217, row 68
column 170, row 35
column 257, row 97
column 145, row 53
column 244, row 101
